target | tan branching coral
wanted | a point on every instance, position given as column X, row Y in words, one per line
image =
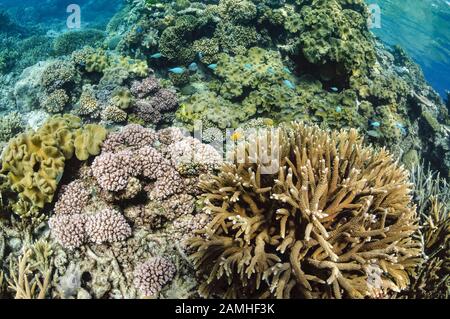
column 31, row 281
column 336, row 221
column 432, row 195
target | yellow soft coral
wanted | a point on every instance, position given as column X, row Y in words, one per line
column 34, row 161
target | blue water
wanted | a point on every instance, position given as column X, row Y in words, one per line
column 52, row 13
column 422, row 28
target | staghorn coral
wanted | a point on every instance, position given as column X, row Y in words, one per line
column 151, row 276
column 335, row 221
column 33, row 277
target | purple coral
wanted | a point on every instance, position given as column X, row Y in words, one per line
column 113, row 170
column 145, row 87
column 131, row 136
column 164, row 100
column 147, row 111
column 107, row 225
column 151, row 276
column 73, row 198
column 155, row 166
column 69, row 230
column 150, row 109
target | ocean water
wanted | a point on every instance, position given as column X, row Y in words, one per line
column 48, row 14
column 422, row 28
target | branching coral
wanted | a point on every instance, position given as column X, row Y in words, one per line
column 23, row 283
column 432, row 195
column 335, row 221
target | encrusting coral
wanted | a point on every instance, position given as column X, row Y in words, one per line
column 336, row 221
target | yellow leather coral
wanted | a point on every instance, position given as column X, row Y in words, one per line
column 34, row 161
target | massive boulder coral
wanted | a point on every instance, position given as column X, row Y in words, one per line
column 335, row 221
column 34, row 161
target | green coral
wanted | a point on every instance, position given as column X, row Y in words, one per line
column 236, row 38
column 70, row 41
column 237, row 11
column 209, row 48
column 34, row 161
column 208, row 106
column 59, row 74
column 101, row 61
column 55, row 101
column 122, row 98
column 334, row 32
column 10, row 125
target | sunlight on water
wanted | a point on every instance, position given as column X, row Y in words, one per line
column 421, row 27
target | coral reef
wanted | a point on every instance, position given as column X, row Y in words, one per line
column 71, row 41
column 143, row 210
column 334, row 221
column 120, row 209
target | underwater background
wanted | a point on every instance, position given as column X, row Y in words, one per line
column 421, row 27
column 224, row 149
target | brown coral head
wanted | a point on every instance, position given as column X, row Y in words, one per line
column 334, row 221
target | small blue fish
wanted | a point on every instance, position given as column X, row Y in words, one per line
column 193, row 67
column 200, row 55
column 248, row 66
column 338, row 109
column 270, row 70
column 289, row 84
column 285, row 69
column 212, row 66
column 334, row 89
column 156, row 56
column 375, row 124
column 401, row 127
column 139, row 30
column 177, row 70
